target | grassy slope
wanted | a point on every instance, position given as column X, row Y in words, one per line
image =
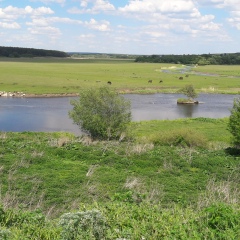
column 140, row 188
column 57, row 165
column 41, row 76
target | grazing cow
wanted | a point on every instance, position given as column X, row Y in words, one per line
column 109, row 82
column 187, row 75
column 149, row 81
column 160, row 81
column 181, row 78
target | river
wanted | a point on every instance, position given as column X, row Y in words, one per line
column 51, row 114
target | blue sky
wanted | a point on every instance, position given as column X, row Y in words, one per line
column 122, row 26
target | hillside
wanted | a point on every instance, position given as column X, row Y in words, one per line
column 156, row 184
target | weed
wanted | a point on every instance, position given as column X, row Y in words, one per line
column 83, row 225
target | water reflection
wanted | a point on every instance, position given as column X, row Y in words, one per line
column 51, row 114
column 187, row 110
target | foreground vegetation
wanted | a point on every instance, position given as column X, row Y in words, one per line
column 67, row 75
column 166, row 180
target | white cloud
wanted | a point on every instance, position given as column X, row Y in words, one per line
column 211, row 27
column 102, row 26
column 46, row 30
column 151, row 6
column 13, row 25
column 97, row 6
column 43, row 21
column 84, row 3
column 38, row 11
column 50, row 1
column 11, row 12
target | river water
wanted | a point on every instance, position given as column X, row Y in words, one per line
column 51, row 114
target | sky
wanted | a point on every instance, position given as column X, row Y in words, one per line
column 141, row 27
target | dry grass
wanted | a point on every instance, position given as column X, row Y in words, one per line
column 186, row 153
column 140, row 148
column 225, row 192
column 133, row 183
column 37, row 154
column 151, row 192
column 91, row 170
column 59, row 142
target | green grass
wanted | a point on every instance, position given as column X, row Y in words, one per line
column 49, row 75
column 63, row 170
column 146, row 186
column 214, row 129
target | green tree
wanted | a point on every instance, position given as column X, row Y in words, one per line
column 234, row 122
column 189, row 91
column 101, row 112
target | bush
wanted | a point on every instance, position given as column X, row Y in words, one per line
column 234, row 122
column 189, row 91
column 83, row 225
column 101, row 112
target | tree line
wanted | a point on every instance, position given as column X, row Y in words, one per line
column 202, row 59
column 16, row 52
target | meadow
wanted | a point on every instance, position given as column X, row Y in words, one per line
column 60, row 76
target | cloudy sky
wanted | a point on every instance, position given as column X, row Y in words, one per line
column 122, row 26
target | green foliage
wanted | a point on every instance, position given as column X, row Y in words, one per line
column 234, row 122
column 222, row 220
column 26, row 52
column 83, row 225
column 202, row 59
column 101, row 112
column 189, row 91
column 221, row 217
column 182, row 100
column 5, row 234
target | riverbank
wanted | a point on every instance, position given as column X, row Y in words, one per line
column 29, row 95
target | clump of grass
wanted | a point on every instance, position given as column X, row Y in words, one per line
column 225, row 192
column 61, row 140
column 141, row 148
column 182, row 137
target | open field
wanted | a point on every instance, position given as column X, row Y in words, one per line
column 60, row 76
column 178, row 189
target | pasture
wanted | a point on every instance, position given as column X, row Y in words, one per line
column 64, row 76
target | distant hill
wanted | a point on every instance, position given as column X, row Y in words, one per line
column 15, row 52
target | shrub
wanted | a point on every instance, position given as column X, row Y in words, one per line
column 83, row 225
column 234, row 122
column 189, row 91
column 101, row 112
